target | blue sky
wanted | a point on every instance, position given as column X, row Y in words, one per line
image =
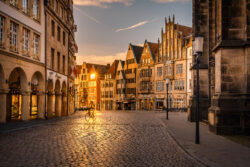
column 106, row 27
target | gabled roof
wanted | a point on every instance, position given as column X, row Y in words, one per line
column 153, row 48
column 101, row 69
column 137, row 51
column 78, row 69
column 113, row 67
column 184, row 29
column 122, row 63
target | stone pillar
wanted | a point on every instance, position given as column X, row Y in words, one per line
column 41, row 105
column 50, row 105
column 229, row 112
column 3, row 98
column 58, row 105
column 155, row 102
column 25, row 112
column 143, row 106
column 64, row 105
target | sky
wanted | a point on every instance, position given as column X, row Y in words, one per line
column 106, row 27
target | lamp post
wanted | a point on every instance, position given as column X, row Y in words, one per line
column 198, row 49
column 167, row 83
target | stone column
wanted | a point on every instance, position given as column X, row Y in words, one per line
column 64, row 105
column 155, row 102
column 58, row 105
column 3, row 98
column 50, row 105
column 25, row 112
column 41, row 105
column 143, row 106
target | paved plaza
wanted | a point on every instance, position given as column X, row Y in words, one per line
column 116, row 138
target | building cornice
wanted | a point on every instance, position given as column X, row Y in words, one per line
column 13, row 55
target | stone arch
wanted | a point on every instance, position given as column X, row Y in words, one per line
column 18, row 95
column 37, row 98
column 50, row 94
column 64, row 98
column 58, row 99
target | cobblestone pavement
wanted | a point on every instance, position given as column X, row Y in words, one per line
column 117, row 138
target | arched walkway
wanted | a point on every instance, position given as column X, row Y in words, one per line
column 64, row 99
column 18, row 96
column 58, row 99
column 2, row 96
column 50, row 101
column 37, row 98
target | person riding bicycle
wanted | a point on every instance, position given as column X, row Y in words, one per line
column 91, row 109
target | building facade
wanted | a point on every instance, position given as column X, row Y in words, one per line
column 224, row 86
column 21, row 48
column 145, row 75
column 96, row 74
column 120, row 86
column 29, row 41
column 82, row 85
column 108, row 88
column 172, row 63
column 130, row 69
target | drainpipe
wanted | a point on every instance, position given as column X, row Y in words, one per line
column 45, row 12
column 68, row 78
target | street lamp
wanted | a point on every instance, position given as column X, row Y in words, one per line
column 197, row 49
column 167, row 83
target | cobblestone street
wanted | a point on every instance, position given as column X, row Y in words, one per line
column 121, row 138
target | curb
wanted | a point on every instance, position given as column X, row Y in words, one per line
column 182, row 148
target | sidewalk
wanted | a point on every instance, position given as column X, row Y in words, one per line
column 213, row 150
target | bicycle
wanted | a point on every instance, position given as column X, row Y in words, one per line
column 90, row 115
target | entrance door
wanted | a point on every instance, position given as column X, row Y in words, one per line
column 16, row 103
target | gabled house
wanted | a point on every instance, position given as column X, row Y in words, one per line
column 130, row 69
column 120, row 85
column 108, row 88
column 145, row 76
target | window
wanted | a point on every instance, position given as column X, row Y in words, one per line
column 83, row 71
column 168, row 70
column 52, row 28
column 64, row 64
column 64, row 40
column 36, row 9
column 26, row 36
column 179, row 68
column 36, row 46
column 56, row 5
column 58, row 33
column 58, row 61
column 25, row 6
column 2, row 21
column 13, row 36
column 159, row 71
column 52, row 58
column 14, row 2
column 179, row 85
column 61, row 12
column 159, row 86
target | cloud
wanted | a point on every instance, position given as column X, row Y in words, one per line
column 133, row 26
column 100, row 59
column 102, row 3
column 168, row 1
column 85, row 14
